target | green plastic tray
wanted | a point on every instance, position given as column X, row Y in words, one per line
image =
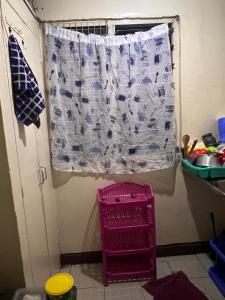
column 204, row 172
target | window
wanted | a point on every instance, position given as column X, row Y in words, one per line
column 118, row 29
column 129, row 25
column 132, row 28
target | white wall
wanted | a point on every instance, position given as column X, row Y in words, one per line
column 11, row 266
column 182, row 205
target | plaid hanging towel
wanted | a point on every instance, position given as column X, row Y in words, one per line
column 28, row 101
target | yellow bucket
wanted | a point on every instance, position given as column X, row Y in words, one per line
column 58, row 287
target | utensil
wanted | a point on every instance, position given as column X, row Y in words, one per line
column 192, row 147
column 209, row 139
column 207, row 160
column 185, row 140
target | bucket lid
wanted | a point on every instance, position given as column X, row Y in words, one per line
column 59, row 284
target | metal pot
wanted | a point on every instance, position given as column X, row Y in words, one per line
column 207, row 160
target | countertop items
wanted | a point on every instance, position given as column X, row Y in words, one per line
column 185, row 140
column 205, row 158
column 209, row 140
column 204, row 172
column 213, row 177
column 221, row 129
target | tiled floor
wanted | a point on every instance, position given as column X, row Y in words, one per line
column 88, row 279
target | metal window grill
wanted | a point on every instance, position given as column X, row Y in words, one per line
column 98, row 29
column 120, row 30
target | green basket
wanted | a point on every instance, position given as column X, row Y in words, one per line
column 204, row 172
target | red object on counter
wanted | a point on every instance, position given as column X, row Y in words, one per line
column 223, row 157
column 199, row 152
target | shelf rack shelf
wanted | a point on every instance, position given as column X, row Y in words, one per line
column 127, row 221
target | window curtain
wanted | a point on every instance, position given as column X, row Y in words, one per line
column 111, row 101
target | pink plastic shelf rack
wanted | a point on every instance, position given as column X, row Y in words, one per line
column 127, row 221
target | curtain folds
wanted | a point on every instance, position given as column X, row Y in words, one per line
column 111, row 101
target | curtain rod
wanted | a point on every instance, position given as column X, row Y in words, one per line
column 176, row 18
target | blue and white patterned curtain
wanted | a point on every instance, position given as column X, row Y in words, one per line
column 111, row 101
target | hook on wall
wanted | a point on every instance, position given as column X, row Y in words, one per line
column 17, row 31
column 23, row 44
column 13, row 28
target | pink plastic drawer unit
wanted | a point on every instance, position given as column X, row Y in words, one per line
column 117, row 241
column 125, row 204
column 127, row 220
column 130, row 267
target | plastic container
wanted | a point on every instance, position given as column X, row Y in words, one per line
column 217, row 272
column 204, row 172
column 59, row 287
column 21, row 293
column 38, row 293
column 221, row 129
column 127, row 221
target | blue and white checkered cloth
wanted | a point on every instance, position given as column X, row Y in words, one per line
column 28, row 101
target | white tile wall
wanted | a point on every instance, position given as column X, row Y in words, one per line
column 163, row 268
column 189, row 264
column 87, row 275
column 206, row 261
column 124, row 291
column 96, row 293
